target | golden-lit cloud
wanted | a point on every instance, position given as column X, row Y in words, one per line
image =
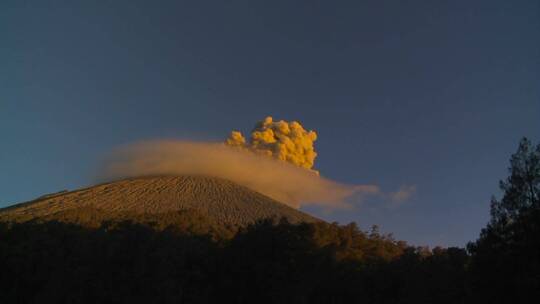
column 277, row 160
column 285, row 141
column 281, row 180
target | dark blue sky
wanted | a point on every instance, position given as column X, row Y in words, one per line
column 435, row 94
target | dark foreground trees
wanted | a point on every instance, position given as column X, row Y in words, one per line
column 54, row 262
column 506, row 257
column 183, row 258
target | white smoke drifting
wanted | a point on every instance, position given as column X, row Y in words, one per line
column 277, row 179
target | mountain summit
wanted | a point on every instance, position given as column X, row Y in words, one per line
column 223, row 202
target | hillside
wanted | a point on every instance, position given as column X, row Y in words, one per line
column 221, row 202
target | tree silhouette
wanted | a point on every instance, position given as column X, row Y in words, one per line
column 521, row 188
column 506, row 257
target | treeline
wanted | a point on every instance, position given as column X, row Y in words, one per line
column 55, row 262
column 183, row 258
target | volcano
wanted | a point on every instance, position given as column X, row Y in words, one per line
column 220, row 201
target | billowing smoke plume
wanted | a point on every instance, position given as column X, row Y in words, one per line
column 277, row 161
column 281, row 180
column 286, row 141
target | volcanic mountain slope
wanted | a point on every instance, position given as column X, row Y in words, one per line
column 220, row 201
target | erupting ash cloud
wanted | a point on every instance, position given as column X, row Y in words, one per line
column 277, row 161
column 286, row 141
column 286, row 181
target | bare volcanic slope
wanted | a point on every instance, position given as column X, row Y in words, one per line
column 221, row 201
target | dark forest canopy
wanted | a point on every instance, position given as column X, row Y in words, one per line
column 55, row 262
column 86, row 256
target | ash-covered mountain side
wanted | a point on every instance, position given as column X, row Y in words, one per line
column 164, row 198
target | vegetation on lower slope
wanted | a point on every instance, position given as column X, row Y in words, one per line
column 55, row 262
column 190, row 221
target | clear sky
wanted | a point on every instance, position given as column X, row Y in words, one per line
column 434, row 94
